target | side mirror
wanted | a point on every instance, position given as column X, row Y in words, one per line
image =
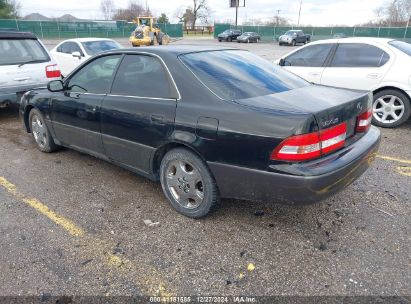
column 55, row 86
column 76, row 55
column 281, row 62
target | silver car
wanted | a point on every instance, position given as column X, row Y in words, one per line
column 25, row 64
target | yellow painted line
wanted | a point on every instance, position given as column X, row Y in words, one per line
column 150, row 280
column 405, row 161
column 68, row 225
column 404, row 170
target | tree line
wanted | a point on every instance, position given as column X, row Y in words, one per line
column 197, row 10
column 9, row 9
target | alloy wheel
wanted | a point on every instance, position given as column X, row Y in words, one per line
column 388, row 109
column 185, row 184
column 39, row 131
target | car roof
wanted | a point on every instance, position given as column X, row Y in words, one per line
column 173, row 49
column 355, row 40
column 86, row 39
column 16, row 35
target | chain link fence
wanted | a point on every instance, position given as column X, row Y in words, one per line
column 78, row 29
column 268, row 33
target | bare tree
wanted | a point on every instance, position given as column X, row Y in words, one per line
column 200, row 10
column 394, row 13
column 107, row 8
column 131, row 12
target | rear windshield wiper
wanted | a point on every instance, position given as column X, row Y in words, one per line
column 30, row 61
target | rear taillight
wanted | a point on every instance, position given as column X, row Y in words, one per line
column 312, row 145
column 364, row 121
column 52, row 71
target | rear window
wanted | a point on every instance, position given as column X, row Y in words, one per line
column 18, row 51
column 402, row 46
column 240, row 74
column 94, row 47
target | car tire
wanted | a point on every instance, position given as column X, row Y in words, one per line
column 42, row 137
column 294, row 43
column 188, row 183
column 219, row 40
column 390, row 104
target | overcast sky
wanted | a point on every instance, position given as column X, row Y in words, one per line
column 315, row 12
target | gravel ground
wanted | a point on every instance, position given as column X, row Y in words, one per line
column 72, row 224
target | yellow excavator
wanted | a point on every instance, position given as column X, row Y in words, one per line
column 146, row 33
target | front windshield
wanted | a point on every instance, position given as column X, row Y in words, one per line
column 94, row 47
column 247, row 34
column 237, row 74
column 290, row 33
column 402, row 46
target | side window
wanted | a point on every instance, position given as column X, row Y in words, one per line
column 142, row 76
column 64, row 48
column 69, row 47
column 359, row 55
column 76, row 48
column 95, row 77
column 310, row 56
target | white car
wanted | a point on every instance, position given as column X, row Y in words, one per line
column 379, row 65
column 25, row 64
column 71, row 53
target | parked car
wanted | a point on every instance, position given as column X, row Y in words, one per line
column 71, row 53
column 382, row 66
column 208, row 123
column 228, row 35
column 293, row 37
column 24, row 65
column 249, row 37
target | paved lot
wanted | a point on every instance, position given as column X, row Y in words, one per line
column 73, row 224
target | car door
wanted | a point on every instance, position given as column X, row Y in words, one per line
column 65, row 59
column 138, row 115
column 76, row 111
column 300, row 37
column 309, row 62
column 356, row 66
column 254, row 37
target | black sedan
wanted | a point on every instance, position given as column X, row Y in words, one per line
column 228, row 35
column 208, row 123
column 249, row 37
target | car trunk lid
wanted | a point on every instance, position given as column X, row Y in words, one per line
column 330, row 106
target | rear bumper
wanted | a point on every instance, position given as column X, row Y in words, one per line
column 13, row 94
column 299, row 184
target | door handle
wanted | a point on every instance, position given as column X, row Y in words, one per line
column 21, row 79
column 314, row 74
column 157, row 118
column 374, row 75
column 74, row 95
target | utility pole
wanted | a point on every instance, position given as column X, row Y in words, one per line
column 236, row 12
column 278, row 17
column 299, row 13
